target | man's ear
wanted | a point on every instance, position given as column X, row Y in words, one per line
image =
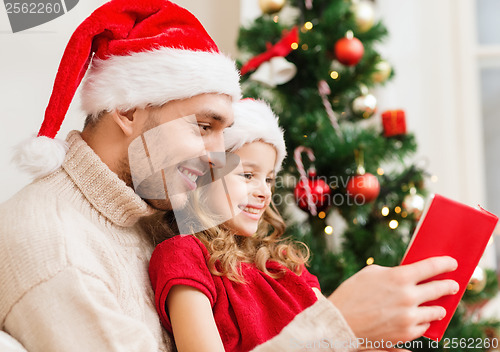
column 126, row 121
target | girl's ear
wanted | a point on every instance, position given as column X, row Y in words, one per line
column 126, row 120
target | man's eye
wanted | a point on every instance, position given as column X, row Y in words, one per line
column 204, row 127
column 270, row 180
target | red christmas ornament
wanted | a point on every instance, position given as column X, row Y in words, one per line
column 363, row 188
column 394, row 122
column 320, row 192
column 349, row 50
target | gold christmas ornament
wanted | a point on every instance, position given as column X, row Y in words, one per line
column 383, row 71
column 414, row 204
column 477, row 282
column 271, row 6
column 365, row 105
column 364, row 15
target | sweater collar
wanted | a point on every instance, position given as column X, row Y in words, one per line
column 102, row 187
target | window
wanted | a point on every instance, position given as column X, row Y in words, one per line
column 488, row 53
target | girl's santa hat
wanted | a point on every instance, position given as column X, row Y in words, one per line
column 140, row 53
column 255, row 121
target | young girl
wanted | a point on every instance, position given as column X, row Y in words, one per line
column 236, row 285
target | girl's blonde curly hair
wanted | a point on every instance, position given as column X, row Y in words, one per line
column 228, row 250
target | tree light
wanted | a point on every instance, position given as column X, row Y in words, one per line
column 380, row 171
column 294, row 46
column 328, row 230
column 370, row 261
column 385, row 211
column 393, row 224
column 321, row 215
column 308, row 25
column 397, row 210
column 334, row 74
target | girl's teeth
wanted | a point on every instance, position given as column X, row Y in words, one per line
column 251, row 210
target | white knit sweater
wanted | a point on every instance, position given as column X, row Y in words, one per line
column 73, row 267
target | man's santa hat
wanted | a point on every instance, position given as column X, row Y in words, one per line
column 140, row 53
column 255, row 121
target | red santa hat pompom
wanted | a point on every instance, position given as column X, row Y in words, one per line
column 255, row 121
column 134, row 54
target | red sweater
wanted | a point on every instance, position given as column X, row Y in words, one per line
column 246, row 314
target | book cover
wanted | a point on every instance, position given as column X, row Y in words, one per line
column 453, row 229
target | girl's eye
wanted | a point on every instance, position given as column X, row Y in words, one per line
column 247, row 175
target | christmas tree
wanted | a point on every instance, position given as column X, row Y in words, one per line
column 350, row 168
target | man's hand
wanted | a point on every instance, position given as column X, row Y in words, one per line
column 383, row 303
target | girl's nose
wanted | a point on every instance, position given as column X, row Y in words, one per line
column 262, row 189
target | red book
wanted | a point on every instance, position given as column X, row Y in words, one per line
column 456, row 230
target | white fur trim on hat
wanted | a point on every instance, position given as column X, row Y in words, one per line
column 255, row 121
column 39, row 156
column 155, row 77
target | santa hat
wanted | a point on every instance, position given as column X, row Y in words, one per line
column 140, row 53
column 255, row 121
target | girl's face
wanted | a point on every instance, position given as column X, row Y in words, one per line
column 249, row 187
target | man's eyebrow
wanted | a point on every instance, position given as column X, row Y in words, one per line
column 214, row 116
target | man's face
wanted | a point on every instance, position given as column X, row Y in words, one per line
column 180, row 142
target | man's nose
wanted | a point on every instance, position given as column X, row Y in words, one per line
column 215, row 150
column 217, row 159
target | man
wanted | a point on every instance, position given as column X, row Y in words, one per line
column 73, row 259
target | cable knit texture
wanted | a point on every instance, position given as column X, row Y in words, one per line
column 73, row 263
column 73, row 268
column 319, row 328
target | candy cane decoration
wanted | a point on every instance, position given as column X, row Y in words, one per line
column 303, row 175
column 324, row 91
